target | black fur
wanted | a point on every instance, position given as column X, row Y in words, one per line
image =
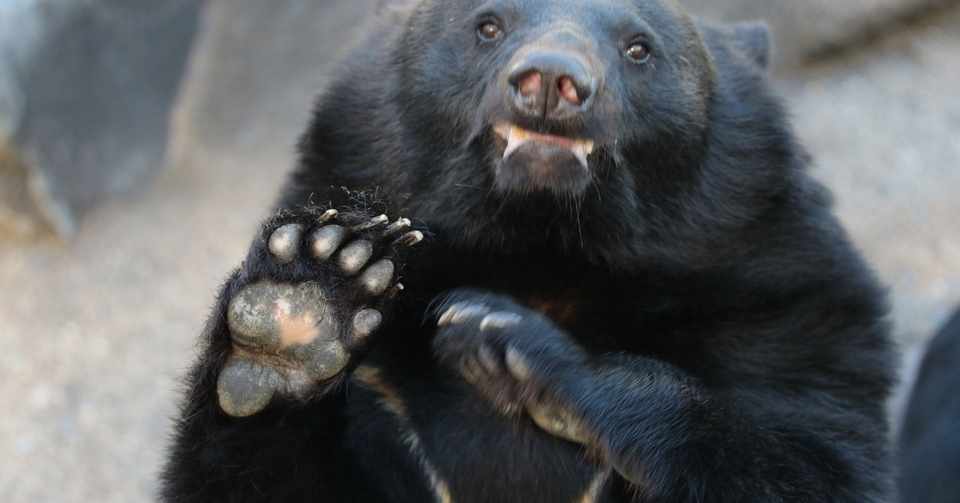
column 705, row 315
column 929, row 444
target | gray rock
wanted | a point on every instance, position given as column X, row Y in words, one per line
column 86, row 92
column 884, row 127
column 11, row 104
column 258, row 66
column 804, row 29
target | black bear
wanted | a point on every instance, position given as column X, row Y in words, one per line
column 928, row 449
column 606, row 277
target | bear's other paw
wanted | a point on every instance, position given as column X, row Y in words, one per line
column 513, row 356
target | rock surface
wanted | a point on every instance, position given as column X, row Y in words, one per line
column 884, row 126
column 258, row 67
column 804, row 30
column 86, row 90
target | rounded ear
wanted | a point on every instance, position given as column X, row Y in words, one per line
column 753, row 38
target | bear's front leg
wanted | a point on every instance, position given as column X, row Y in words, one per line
column 497, row 345
column 315, row 287
column 633, row 414
column 664, row 433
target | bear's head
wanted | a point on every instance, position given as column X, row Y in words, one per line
column 594, row 109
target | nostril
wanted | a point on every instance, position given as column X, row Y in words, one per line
column 568, row 91
column 530, row 84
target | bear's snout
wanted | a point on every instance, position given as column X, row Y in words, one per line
column 551, row 84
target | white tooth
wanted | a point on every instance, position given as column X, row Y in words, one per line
column 581, row 151
column 515, row 139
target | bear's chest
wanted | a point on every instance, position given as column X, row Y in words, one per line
column 437, row 440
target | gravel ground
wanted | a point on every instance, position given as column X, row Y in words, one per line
column 99, row 331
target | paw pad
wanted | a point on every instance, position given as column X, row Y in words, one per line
column 290, row 337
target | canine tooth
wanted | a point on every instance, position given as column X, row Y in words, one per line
column 515, row 139
column 502, row 130
column 581, row 150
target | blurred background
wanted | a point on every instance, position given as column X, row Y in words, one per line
column 141, row 141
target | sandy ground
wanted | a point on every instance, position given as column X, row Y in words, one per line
column 97, row 333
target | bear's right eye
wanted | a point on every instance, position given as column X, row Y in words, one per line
column 489, row 31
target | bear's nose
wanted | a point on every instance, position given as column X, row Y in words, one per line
column 551, row 85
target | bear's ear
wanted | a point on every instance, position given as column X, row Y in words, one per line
column 753, row 38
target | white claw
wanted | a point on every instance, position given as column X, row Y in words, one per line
column 411, row 238
column 373, row 222
column 500, row 320
column 395, row 290
column 460, row 312
column 471, row 370
column 517, row 364
column 447, row 316
column 397, row 227
column 488, row 359
column 328, row 216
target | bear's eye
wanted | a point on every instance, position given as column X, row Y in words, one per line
column 638, row 52
column 489, row 31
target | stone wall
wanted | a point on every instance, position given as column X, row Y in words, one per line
column 86, row 90
column 805, row 30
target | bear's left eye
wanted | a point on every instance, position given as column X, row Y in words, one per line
column 638, row 52
column 489, row 31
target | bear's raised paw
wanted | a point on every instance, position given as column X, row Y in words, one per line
column 316, row 289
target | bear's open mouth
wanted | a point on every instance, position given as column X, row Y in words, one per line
column 516, row 137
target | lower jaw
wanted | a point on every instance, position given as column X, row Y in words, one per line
column 520, row 175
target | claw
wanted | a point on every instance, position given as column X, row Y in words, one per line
column 500, row 320
column 326, row 240
column 370, row 224
column 459, row 312
column 517, row 364
column 410, row 239
column 471, row 371
column 327, row 216
column 285, row 242
column 488, row 359
column 395, row 291
column 397, row 227
column 558, row 422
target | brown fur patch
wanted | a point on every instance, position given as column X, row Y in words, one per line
column 561, row 309
column 295, row 330
column 390, row 398
column 592, row 494
column 372, row 378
